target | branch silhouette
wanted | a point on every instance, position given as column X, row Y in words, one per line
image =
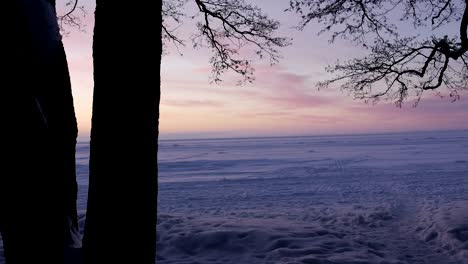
column 228, row 28
column 397, row 67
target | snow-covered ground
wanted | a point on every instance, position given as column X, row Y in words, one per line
column 387, row 198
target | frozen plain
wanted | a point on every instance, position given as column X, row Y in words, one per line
column 354, row 199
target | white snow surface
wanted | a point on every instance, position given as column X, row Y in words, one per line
column 359, row 199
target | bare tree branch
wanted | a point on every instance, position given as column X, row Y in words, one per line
column 231, row 29
column 70, row 18
column 397, row 67
column 437, row 16
column 230, row 26
column 172, row 19
column 72, row 10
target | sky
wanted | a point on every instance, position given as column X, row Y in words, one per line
column 283, row 100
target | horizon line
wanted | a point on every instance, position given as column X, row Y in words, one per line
column 301, row 135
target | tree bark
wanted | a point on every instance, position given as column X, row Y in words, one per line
column 122, row 202
column 38, row 190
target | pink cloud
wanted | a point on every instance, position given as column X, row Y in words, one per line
column 428, row 106
column 274, row 86
column 192, row 103
column 431, row 113
column 288, row 90
column 308, row 118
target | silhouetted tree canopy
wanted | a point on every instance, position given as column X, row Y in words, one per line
column 227, row 27
column 409, row 43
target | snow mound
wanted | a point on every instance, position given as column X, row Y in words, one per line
column 358, row 216
column 446, row 227
column 195, row 240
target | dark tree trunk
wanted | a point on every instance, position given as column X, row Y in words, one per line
column 38, row 190
column 122, row 202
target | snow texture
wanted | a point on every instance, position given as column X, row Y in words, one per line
column 362, row 199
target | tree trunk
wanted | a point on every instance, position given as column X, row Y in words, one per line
column 38, row 190
column 121, row 216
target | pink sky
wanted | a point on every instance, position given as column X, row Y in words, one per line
column 282, row 101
